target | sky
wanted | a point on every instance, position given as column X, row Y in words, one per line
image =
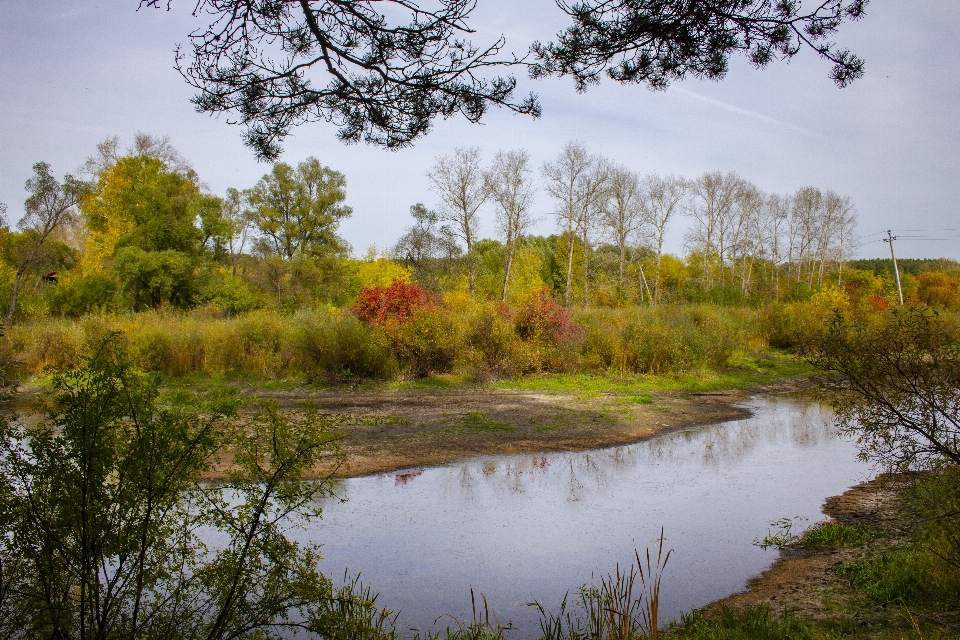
column 74, row 72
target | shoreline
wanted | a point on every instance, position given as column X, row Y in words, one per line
column 400, row 430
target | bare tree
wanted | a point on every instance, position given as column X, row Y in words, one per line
column 744, row 243
column 662, row 200
column 622, row 216
column 48, row 207
column 846, row 222
column 715, row 194
column 564, row 178
column 593, row 195
column 508, row 183
column 805, row 221
column 459, row 183
column 109, row 152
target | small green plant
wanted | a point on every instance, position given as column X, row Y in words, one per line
column 783, row 536
column 837, row 534
column 755, row 623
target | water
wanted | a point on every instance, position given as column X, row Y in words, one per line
column 532, row 527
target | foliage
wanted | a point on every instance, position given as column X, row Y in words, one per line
column 429, row 249
column 655, row 42
column 426, row 341
column 898, row 388
column 837, row 534
column 378, row 305
column 299, row 209
column 379, row 83
column 729, row 623
column 937, row 289
column 108, row 531
column 542, row 318
column 153, row 278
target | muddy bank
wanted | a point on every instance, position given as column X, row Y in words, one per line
column 804, row 580
column 396, row 430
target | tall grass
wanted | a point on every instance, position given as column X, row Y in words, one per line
column 481, row 340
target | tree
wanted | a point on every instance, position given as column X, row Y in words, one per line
column 564, row 183
column 160, row 148
column 662, row 199
column 716, row 195
column 275, row 64
column 240, row 220
column 298, row 210
column 430, row 249
column 458, row 182
column 509, row 185
column 898, row 384
column 622, row 217
column 48, row 208
column 657, row 41
column 109, row 530
column 379, row 83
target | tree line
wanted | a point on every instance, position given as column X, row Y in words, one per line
column 611, row 227
column 136, row 230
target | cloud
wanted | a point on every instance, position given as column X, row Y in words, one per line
column 738, row 110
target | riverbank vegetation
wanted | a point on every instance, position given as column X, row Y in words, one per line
column 257, row 283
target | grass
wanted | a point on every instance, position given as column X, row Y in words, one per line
column 476, row 422
column 838, row 534
column 769, row 367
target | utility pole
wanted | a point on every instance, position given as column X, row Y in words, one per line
column 896, row 270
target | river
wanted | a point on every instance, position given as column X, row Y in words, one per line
column 533, row 527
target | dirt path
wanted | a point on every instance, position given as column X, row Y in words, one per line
column 402, row 429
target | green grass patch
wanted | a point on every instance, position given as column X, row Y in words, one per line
column 837, row 534
column 435, row 382
column 909, row 576
column 476, row 422
column 769, row 367
column 755, row 623
column 547, row 428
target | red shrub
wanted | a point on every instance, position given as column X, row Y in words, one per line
column 377, row 305
column 542, row 317
column 879, row 303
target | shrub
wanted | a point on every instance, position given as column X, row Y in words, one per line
column 542, row 318
column 491, row 336
column 340, row 346
column 377, row 305
column 426, row 342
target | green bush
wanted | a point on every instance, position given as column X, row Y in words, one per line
column 340, row 346
column 426, row 342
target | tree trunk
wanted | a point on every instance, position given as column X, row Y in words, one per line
column 13, row 297
column 506, row 272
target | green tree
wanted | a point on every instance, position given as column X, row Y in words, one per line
column 109, row 531
column 897, row 385
column 298, row 210
column 48, row 208
column 141, row 221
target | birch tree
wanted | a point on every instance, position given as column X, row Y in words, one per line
column 508, row 183
column 662, row 200
column 458, row 181
column 564, row 178
column 622, row 216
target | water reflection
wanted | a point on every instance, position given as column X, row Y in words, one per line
column 519, row 528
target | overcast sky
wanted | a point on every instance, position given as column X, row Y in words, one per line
column 73, row 72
